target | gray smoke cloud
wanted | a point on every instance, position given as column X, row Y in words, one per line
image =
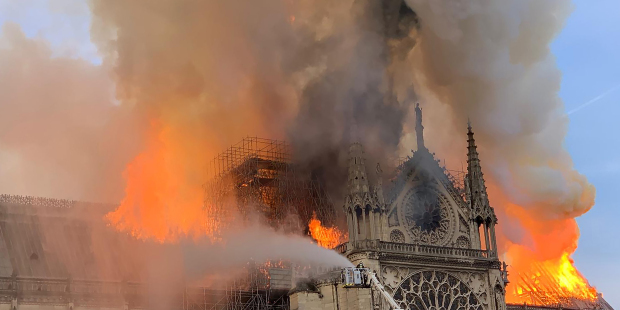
column 490, row 61
column 351, row 97
column 211, row 72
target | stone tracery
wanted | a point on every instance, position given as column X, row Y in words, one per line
column 426, row 212
column 435, row 290
column 397, row 236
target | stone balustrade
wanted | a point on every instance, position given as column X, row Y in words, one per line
column 81, row 293
column 115, row 295
column 26, row 285
column 391, row 247
column 46, row 202
column 536, row 307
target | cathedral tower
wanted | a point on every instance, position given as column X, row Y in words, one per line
column 482, row 216
column 428, row 237
column 364, row 208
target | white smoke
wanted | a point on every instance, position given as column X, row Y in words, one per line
column 490, row 61
column 260, row 244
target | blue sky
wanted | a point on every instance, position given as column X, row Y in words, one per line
column 64, row 23
column 587, row 52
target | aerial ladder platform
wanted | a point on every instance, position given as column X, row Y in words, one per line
column 364, row 277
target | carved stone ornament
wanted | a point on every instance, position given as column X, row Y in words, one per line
column 500, row 298
column 397, row 236
column 463, row 227
column 477, row 284
column 463, row 242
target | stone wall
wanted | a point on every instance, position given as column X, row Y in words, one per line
column 332, row 297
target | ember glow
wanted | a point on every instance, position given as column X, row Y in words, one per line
column 327, row 237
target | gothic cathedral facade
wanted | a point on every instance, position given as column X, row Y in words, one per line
column 433, row 246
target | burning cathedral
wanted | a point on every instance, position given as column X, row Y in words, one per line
column 426, row 242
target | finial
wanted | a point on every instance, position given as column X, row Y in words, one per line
column 468, row 123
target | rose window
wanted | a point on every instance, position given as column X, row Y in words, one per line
column 435, row 290
column 426, row 214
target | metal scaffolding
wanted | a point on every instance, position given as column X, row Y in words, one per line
column 233, row 299
column 255, row 290
column 258, row 175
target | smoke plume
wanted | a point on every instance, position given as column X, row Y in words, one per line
column 260, row 244
column 489, row 61
column 60, row 134
column 207, row 73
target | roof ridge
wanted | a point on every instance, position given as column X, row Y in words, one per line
column 46, row 202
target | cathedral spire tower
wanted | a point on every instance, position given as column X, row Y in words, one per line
column 482, row 214
column 419, row 129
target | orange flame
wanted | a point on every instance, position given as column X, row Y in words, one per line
column 552, row 282
column 158, row 205
column 541, row 271
column 571, row 280
column 326, row 237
